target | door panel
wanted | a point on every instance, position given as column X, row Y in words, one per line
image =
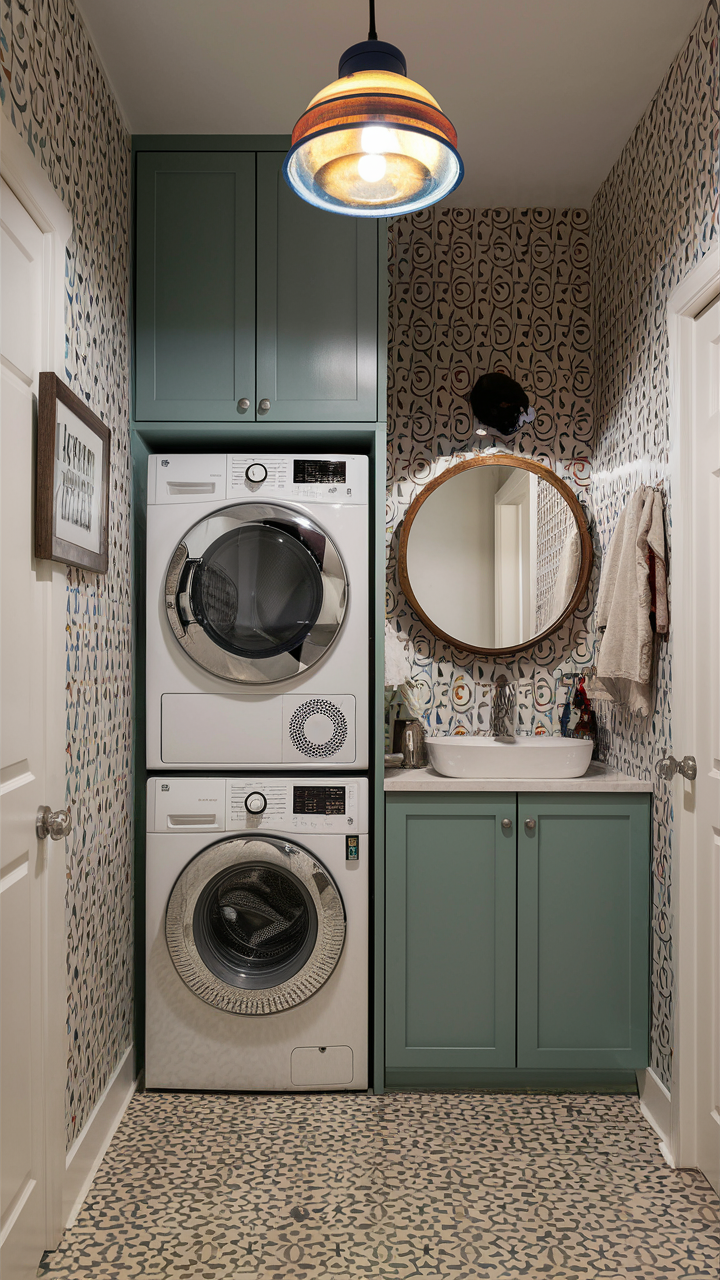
column 23, row 871
column 195, row 291
column 451, row 933
column 583, row 914
column 316, row 307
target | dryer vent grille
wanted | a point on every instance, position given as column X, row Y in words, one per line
column 318, row 729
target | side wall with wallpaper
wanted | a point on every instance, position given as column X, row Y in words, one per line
column 651, row 221
column 55, row 95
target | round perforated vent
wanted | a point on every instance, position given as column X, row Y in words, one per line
column 318, row 728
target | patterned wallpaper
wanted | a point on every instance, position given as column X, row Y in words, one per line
column 54, row 93
column 651, row 221
column 472, row 290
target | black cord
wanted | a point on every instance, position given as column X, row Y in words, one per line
column 372, row 33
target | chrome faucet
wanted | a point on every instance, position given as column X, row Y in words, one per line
column 502, row 712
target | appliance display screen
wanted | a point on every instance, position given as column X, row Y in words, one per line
column 308, row 471
column 324, row 800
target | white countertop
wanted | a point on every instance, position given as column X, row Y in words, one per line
column 599, row 777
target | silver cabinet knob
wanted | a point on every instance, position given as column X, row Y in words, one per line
column 530, row 824
column 56, row 825
column 243, row 404
column 506, row 824
column 264, row 405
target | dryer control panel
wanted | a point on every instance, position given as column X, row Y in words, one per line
column 340, row 479
column 287, row 805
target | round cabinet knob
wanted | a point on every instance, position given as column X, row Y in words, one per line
column 243, row 405
column 264, row 405
column 530, row 824
column 255, row 802
column 506, row 824
column 256, row 473
column 56, row 825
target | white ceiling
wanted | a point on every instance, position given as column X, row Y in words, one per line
column 543, row 93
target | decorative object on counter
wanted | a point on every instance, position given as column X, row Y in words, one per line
column 495, row 554
column 500, row 405
column 72, row 479
column 412, row 743
column 577, row 719
column 373, row 144
column 632, row 604
column 502, row 713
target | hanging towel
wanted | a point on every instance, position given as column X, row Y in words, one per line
column 625, row 604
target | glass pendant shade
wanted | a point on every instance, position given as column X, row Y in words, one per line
column 373, row 144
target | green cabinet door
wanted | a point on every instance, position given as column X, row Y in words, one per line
column 450, row 940
column 195, row 286
column 317, row 339
column 583, row 929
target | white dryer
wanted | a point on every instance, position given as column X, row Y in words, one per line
column 258, row 644
column 257, row 933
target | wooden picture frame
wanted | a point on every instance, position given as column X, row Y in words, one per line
column 72, row 479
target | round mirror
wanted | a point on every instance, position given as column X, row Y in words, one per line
column 495, row 554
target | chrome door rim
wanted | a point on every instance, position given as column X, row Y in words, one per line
column 319, row 886
column 203, row 650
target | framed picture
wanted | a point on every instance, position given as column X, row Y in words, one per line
column 72, row 479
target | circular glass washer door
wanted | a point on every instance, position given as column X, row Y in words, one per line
column 256, row 593
column 255, row 925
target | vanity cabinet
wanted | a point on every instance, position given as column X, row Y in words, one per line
column 245, row 293
column 517, row 937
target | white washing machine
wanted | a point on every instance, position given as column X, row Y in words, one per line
column 258, row 638
column 257, row 933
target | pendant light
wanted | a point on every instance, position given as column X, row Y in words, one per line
column 373, row 144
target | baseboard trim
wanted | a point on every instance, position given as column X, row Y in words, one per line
column 656, row 1108
column 83, row 1159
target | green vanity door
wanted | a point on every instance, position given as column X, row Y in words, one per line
column 316, row 307
column 583, row 915
column 195, row 286
column 450, row 941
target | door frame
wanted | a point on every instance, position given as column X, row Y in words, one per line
column 21, row 171
column 699, row 287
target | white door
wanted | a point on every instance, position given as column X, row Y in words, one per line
column 706, row 541
column 27, row 705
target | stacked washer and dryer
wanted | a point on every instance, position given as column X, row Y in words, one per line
column 257, row 821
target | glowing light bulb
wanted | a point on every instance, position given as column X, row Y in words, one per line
column 372, row 167
column 375, row 139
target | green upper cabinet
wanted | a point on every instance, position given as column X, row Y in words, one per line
column 583, row 928
column 195, row 286
column 246, row 293
column 317, row 338
column 450, row 938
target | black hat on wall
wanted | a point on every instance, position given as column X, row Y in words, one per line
column 500, row 404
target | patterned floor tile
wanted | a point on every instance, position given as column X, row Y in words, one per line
column 352, row 1187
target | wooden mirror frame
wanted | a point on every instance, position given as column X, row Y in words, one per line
column 586, row 551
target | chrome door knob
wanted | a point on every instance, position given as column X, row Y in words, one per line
column 56, row 825
column 243, row 404
column 255, row 802
column 668, row 766
column 264, row 405
column 530, row 824
column 506, row 824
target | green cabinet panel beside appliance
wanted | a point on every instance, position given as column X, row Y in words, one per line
column 516, row 955
column 250, row 304
column 450, row 941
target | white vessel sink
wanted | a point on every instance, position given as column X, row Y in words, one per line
column 541, row 757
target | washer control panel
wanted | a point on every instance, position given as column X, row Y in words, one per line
column 293, row 805
column 331, row 806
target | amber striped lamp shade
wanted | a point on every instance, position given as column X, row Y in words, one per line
column 373, row 144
